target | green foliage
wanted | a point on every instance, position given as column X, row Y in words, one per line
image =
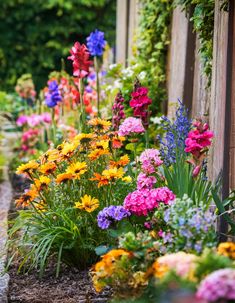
column 203, row 23
column 36, row 35
column 153, row 40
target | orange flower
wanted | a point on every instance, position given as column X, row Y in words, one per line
column 64, row 177
column 27, row 198
column 42, row 182
column 101, row 179
column 117, row 142
column 159, row 270
column 47, row 168
column 94, row 155
column 123, row 161
column 227, row 249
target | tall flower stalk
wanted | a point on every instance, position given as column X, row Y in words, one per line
column 96, row 44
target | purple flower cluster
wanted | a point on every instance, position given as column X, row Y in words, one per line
column 53, row 95
column 219, row 285
column 96, row 43
column 176, row 133
column 111, row 214
column 118, row 111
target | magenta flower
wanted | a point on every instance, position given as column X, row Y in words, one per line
column 118, row 111
column 80, row 57
column 22, row 120
column 142, row 201
column 219, row 285
column 131, row 126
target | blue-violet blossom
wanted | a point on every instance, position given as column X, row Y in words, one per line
column 96, row 43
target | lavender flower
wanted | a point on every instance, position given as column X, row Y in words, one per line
column 96, row 43
column 176, row 133
column 111, row 214
column 53, row 95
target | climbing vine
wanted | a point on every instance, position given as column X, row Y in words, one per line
column 153, row 40
column 202, row 12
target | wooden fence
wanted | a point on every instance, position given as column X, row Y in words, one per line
column 185, row 79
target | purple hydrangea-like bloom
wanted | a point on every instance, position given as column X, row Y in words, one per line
column 96, row 43
column 110, row 214
column 53, row 95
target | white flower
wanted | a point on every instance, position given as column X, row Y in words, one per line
column 112, row 66
column 128, row 72
column 142, row 75
column 117, row 84
column 156, row 120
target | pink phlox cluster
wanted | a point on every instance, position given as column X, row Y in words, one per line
column 144, row 181
column 142, row 201
column 131, row 126
column 149, row 160
column 219, row 285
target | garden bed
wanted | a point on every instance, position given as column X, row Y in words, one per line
column 71, row 286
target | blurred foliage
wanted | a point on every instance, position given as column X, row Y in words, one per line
column 153, row 40
column 35, row 35
column 203, row 24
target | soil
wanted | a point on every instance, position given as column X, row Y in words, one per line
column 71, row 286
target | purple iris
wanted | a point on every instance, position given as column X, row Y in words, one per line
column 110, row 214
column 96, row 43
column 53, row 96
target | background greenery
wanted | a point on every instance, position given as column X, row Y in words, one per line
column 36, row 34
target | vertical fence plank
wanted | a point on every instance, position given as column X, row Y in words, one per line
column 180, row 61
column 121, row 31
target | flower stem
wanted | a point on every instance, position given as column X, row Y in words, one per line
column 97, row 84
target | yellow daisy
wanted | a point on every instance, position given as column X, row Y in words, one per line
column 42, row 182
column 27, row 168
column 77, row 169
column 100, row 125
column 64, row 177
column 88, row 203
column 95, row 154
column 47, row 168
column 113, row 173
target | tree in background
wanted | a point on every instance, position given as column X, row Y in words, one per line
column 35, row 35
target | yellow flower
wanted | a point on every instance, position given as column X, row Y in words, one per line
column 100, row 125
column 77, row 169
column 159, row 270
column 95, row 154
column 139, row 278
column 47, row 168
column 27, row 168
column 42, row 182
column 113, row 173
column 127, row 179
column 88, row 204
column 53, row 155
column 64, row 177
column 227, row 249
column 83, row 138
column 68, row 149
column 102, row 144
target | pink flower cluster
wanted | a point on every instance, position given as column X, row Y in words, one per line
column 142, row 201
column 131, row 126
column 144, row 181
column 34, row 119
column 198, row 139
column 219, row 285
column 149, row 160
column 181, row 262
column 140, row 102
column 196, row 143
